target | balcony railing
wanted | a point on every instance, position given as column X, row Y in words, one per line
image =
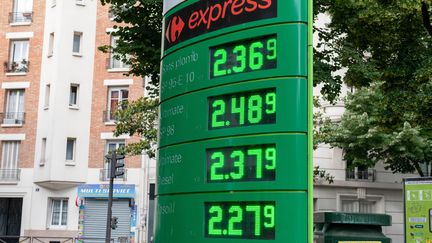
column 355, row 174
column 20, row 17
column 105, row 174
column 112, row 63
column 12, row 118
column 9, row 175
column 17, row 67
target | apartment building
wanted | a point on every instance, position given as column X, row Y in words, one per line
column 58, row 99
column 359, row 190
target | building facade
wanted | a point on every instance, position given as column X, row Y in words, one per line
column 59, row 95
column 359, row 190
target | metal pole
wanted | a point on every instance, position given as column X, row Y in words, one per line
column 110, row 197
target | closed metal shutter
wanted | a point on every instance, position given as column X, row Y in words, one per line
column 95, row 220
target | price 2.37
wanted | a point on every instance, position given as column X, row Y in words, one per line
column 245, row 163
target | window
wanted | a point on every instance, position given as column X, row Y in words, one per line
column 14, row 112
column 358, row 206
column 43, row 152
column 18, row 60
column 116, row 62
column 76, row 48
column 112, row 145
column 47, row 95
column 9, row 170
column 22, row 11
column 73, row 96
column 59, row 209
column 116, row 95
column 359, row 173
column 51, row 45
column 70, row 149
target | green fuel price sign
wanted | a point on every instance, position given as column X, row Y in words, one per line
column 235, row 127
column 246, row 220
column 244, row 56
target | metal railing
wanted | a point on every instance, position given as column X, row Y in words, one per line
column 109, row 116
column 113, row 63
column 12, row 118
column 104, row 174
column 355, row 174
column 10, row 175
column 21, row 17
column 17, row 67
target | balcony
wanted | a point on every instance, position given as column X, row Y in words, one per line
column 20, row 17
column 104, row 175
column 15, row 67
column 356, row 174
column 12, row 118
column 10, row 175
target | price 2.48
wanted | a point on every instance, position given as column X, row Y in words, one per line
column 243, row 109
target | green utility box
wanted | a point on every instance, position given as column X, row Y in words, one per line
column 337, row 227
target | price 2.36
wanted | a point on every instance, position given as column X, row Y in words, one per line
column 245, row 56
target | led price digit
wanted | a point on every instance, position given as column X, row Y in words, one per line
column 243, row 109
column 234, row 220
column 245, row 163
column 244, row 56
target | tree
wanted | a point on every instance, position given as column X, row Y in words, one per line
column 139, row 30
column 386, row 48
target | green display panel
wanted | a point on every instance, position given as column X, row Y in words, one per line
column 192, row 67
column 179, row 121
column 256, row 107
column 418, row 210
column 243, row 56
column 188, row 167
column 243, row 163
column 241, row 217
column 240, row 220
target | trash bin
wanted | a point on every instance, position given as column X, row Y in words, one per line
column 337, row 227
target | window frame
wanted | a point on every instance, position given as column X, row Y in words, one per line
column 120, row 99
column 18, row 112
column 12, row 48
column 73, row 149
column 60, row 213
column 76, row 104
column 80, row 35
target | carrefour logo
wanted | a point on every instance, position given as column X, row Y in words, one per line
column 206, row 16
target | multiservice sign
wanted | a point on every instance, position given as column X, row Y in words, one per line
column 418, row 210
column 235, row 140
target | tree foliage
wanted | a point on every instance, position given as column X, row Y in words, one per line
column 385, row 46
column 139, row 26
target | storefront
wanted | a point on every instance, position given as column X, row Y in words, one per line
column 93, row 204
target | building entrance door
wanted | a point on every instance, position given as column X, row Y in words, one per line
column 10, row 219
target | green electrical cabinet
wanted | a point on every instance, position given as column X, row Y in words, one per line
column 337, row 227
